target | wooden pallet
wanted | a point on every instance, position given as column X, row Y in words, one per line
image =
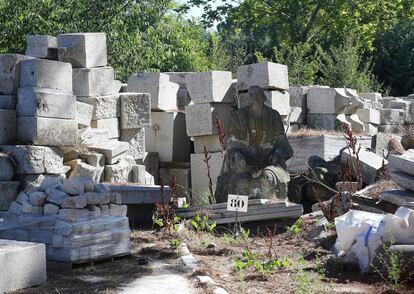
column 68, row 267
column 258, row 210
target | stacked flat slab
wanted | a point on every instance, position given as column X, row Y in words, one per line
column 77, row 219
column 272, row 77
column 215, row 97
column 402, row 170
column 22, row 265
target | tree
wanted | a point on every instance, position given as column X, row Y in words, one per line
column 395, row 58
column 144, row 35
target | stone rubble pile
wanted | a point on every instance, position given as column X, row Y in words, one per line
column 77, row 219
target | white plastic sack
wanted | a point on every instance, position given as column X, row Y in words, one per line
column 360, row 233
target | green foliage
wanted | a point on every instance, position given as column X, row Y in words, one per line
column 309, row 282
column 175, row 243
column 201, row 223
column 174, row 223
column 295, row 228
column 239, row 238
column 142, row 35
column 395, row 58
column 344, row 66
column 253, row 260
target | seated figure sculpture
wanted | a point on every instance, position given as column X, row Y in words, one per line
column 257, row 149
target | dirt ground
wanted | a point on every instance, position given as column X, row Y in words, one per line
column 308, row 266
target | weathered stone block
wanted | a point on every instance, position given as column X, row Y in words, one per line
column 42, row 73
column 163, row 92
column 168, row 137
column 207, row 87
column 77, row 202
column 136, row 140
column 369, row 115
column 8, row 193
column 55, row 196
column 322, row 121
column 370, row 129
column 50, row 209
column 73, row 186
column 276, row 100
column 390, row 128
column 357, row 126
column 200, row 119
column 41, row 46
column 36, row 159
column 111, row 125
column 7, row 167
column 398, row 197
column 118, row 172
column 267, row 75
column 93, row 81
column 404, row 180
column 83, row 114
column 40, row 102
column 371, row 96
column 182, row 177
column 199, row 177
column 8, row 102
column 80, row 168
column 212, row 143
column 370, row 164
column 22, row 265
column 111, row 150
column 46, row 131
column 10, row 72
column 22, row 197
column 7, row 126
column 135, row 110
column 103, row 106
column 83, row 49
column 391, row 116
column 38, row 198
column 327, row 100
column 404, row 163
column 89, row 137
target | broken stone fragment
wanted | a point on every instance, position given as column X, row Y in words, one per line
column 55, row 196
column 50, row 209
column 73, row 186
column 38, row 198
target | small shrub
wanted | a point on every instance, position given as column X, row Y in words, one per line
column 175, row 243
column 296, row 228
column 201, row 223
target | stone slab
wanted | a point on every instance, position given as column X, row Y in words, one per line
column 391, row 116
column 90, row 137
column 103, row 106
column 323, row 121
column 199, row 177
column 167, row 136
column 111, row 150
column 211, row 142
column 327, row 100
column 35, row 159
column 93, row 81
column 404, row 163
column 200, row 119
column 163, row 92
column 83, row 49
column 267, row 75
column 369, row 115
column 22, row 265
column 83, row 114
column 10, row 72
column 276, row 100
column 7, row 126
column 207, row 87
column 404, row 180
column 8, row 193
column 41, row 102
column 8, row 102
column 182, row 177
column 118, row 172
column 398, row 197
column 135, row 110
column 136, row 140
column 41, row 46
column 111, row 125
column 46, row 131
column 44, row 73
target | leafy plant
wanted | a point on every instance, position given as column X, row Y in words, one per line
column 175, row 243
column 253, row 260
column 307, row 281
column 295, row 229
column 201, row 223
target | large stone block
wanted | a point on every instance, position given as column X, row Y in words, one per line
column 8, row 193
column 22, row 265
column 136, row 141
column 83, row 49
column 211, row 142
column 404, row 180
column 404, row 163
column 167, row 136
column 200, row 119
column 119, row 172
column 327, row 100
column 7, row 167
column 135, row 110
column 83, row 114
column 103, row 106
column 322, row 121
column 111, row 125
column 41, row 102
column 89, row 137
column 79, row 168
column 111, row 150
column 44, row 73
column 35, row 159
column 391, row 116
column 8, row 102
column 391, row 128
column 163, row 92
column 199, row 177
column 93, row 81
column 207, row 87
column 10, row 72
column 371, row 96
column 369, row 115
column 46, row 131
column 370, row 164
column 182, row 177
column 267, row 75
column 7, row 126
column 276, row 100
column 42, row 46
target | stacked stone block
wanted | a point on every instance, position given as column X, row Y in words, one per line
column 77, row 219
